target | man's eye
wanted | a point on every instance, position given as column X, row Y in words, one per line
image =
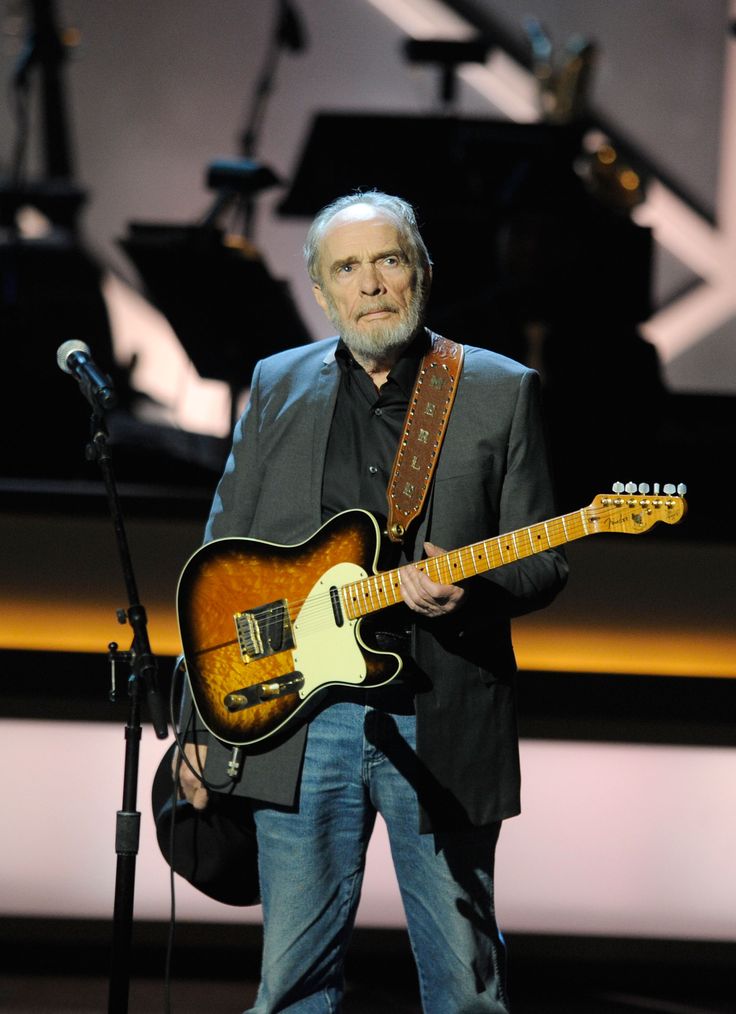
column 345, row 269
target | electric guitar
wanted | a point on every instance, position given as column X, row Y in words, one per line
column 265, row 627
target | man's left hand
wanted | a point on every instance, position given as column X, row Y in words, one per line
column 425, row 596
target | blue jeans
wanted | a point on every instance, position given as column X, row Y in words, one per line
column 358, row 762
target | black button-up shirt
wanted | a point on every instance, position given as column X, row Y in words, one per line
column 364, row 436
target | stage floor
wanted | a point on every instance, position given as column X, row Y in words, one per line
column 88, row 995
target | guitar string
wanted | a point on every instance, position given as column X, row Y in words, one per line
column 313, row 608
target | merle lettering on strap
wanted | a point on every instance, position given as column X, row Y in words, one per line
column 424, row 429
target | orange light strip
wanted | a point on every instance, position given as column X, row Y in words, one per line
column 653, row 652
column 49, row 625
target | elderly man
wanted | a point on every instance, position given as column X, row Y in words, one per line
column 435, row 750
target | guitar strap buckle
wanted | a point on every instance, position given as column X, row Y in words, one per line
column 424, row 430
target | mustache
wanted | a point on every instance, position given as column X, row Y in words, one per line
column 383, row 307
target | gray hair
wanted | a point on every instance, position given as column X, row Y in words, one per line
column 400, row 210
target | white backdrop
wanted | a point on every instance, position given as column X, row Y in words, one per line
column 614, row 839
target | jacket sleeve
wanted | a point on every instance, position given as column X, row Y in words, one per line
column 231, row 513
column 236, row 496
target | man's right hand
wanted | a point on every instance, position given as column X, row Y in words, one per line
column 190, row 785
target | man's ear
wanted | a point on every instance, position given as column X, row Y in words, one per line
column 319, row 296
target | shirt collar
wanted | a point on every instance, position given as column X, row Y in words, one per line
column 403, row 373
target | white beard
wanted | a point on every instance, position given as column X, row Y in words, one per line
column 384, row 339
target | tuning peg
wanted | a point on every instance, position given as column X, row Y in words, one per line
column 631, row 487
column 656, row 489
column 643, row 488
column 618, row 487
column 669, row 489
column 681, row 489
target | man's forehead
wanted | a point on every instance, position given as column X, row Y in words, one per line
column 360, row 213
column 360, row 222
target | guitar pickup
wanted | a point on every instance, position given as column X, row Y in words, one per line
column 264, row 631
column 248, row 697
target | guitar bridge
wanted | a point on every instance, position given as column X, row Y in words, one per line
column 248, row 697
column 264, row 631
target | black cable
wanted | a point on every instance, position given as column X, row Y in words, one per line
column 181, row 743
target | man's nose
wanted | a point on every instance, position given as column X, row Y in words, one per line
column 371, row 283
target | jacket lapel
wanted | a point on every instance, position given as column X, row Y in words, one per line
column 323, row 405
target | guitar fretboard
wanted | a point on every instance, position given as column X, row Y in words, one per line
column 384, row 589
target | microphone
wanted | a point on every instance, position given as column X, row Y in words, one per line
column 74, row 357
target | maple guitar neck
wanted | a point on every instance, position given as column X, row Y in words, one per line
column 610, row 513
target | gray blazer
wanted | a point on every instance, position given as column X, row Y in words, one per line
column 492, row 477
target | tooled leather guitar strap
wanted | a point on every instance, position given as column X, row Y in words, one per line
column 424, row 429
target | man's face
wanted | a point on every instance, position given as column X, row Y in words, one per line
column 368, row 282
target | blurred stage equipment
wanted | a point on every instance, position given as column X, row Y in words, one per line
column 49, row 283
column 288, row 33
column 448, row 55
column 563, row 88
column 468, row 179
column 208, row 278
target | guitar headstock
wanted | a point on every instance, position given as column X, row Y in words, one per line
column 633, row 509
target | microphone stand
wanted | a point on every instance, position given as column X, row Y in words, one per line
column 143, row 670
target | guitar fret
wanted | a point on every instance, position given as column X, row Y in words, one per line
column 541, row 532
column 384, row 589
column 347, row 601
column 452, row 560
column 501, row 551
